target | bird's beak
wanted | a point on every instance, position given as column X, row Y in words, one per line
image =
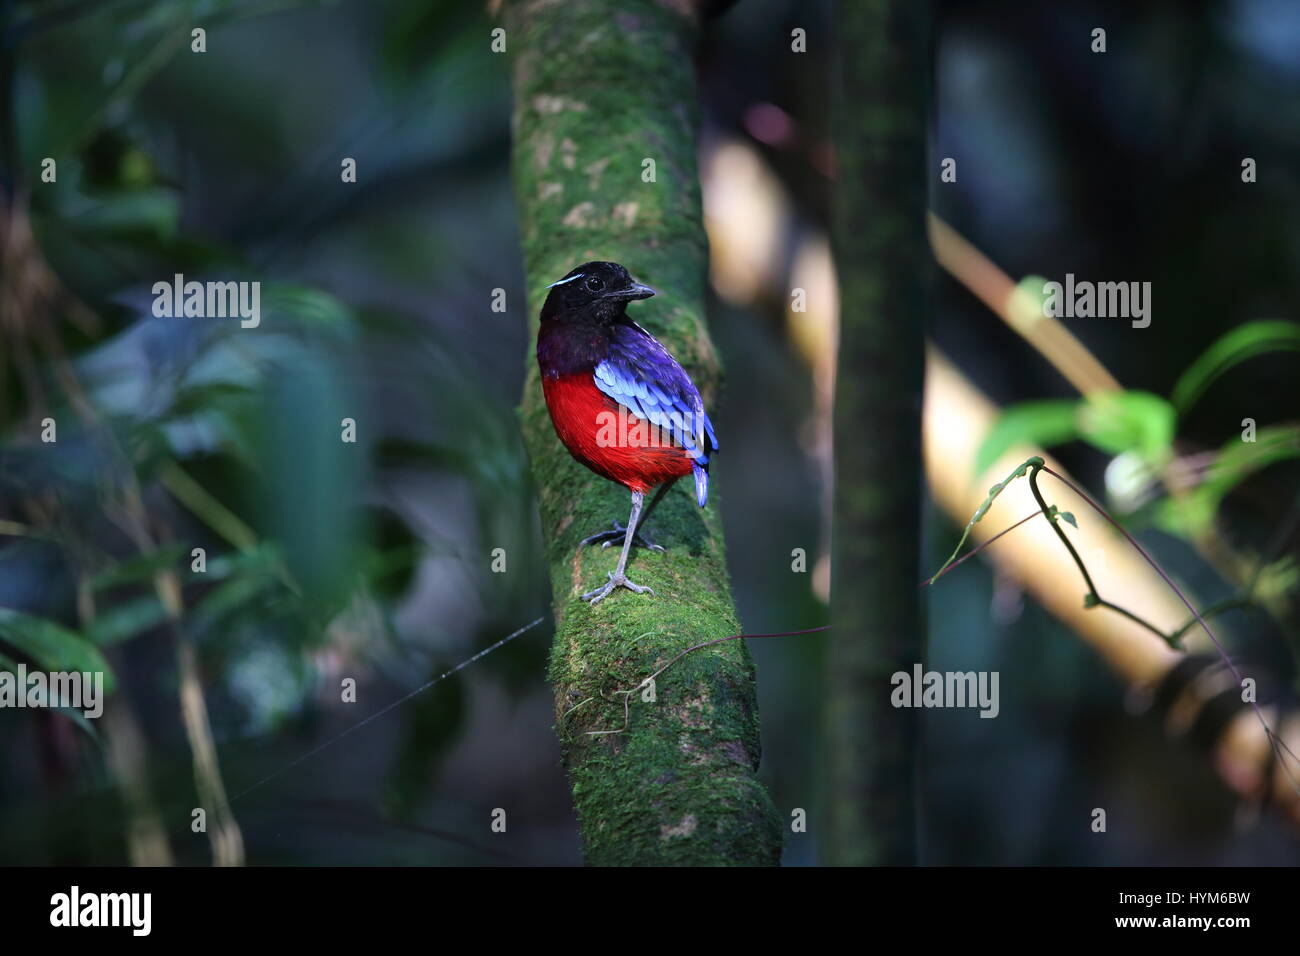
column 635, row 291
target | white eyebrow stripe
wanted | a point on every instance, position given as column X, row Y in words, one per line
column 562, row 281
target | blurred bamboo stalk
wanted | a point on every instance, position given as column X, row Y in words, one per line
column 223, row 830
column 125, row 747
column 1019, row 310
column 146, row 837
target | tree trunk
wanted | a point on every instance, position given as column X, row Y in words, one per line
column 883, row 264
column 604, row 101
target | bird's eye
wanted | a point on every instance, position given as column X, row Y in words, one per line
column 595, row 284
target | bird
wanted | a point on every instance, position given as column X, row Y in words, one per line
column 619, row 401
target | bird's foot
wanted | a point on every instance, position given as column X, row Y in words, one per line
column 616, row 535
column 599, row 594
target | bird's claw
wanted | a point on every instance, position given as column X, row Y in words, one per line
column 615, row 536
column 599, row 594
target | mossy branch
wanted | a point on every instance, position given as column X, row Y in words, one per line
column 604, row 168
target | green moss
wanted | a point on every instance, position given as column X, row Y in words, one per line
column 601, row 86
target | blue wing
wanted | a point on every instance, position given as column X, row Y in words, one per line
column 641, row 375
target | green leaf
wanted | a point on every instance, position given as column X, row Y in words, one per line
column 126, row 620
column 1242, row 343
column 1021, row 470
column 236, row 594
column 200, row 398
column 310, row 307
column 1054, row 512
column 76, row 716
column 1046, row 422
column 312, row 480
column 153, row 212
column 137, row 569
column 52, row 646
column 1139, row 422
column 261, row 560
column 1238, row 460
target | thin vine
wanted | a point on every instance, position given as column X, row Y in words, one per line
column 1031, row 468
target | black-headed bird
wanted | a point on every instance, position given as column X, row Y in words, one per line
column 620, row 403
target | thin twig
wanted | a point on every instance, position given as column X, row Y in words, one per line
column 976, row 550
column 1275, row 742
column 1032, row 467
column 1093, row 598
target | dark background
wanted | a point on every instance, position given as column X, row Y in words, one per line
column 376, row 299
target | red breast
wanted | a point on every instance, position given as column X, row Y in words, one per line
column 609, row 439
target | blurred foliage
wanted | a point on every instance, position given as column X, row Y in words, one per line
column 1138, row 430
column 1242, row 343
column 321, row 558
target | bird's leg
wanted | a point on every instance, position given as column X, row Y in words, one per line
column 617, row 533
column 616, row 577
column 606, row 538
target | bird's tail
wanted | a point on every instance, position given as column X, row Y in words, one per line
column 701, row 482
